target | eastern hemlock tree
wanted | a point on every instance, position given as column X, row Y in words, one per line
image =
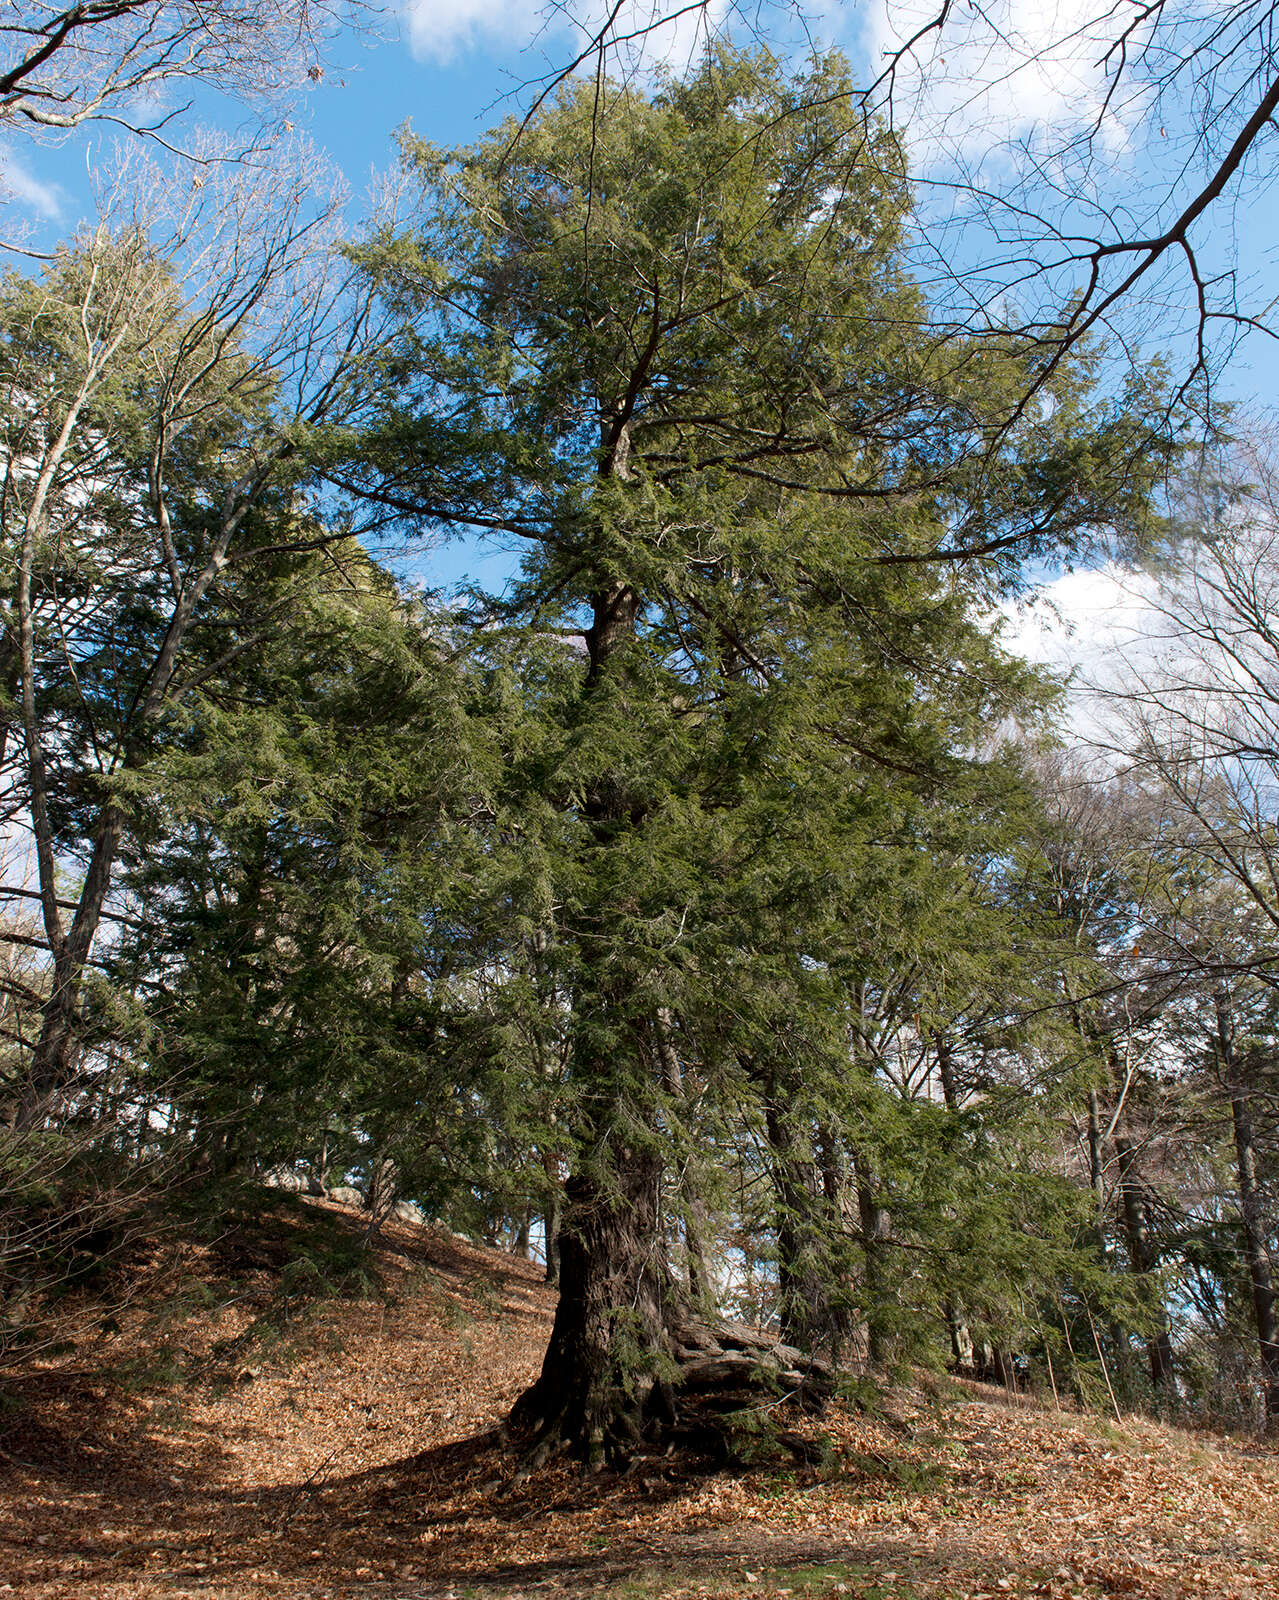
column 291, row 885
column 669, row 342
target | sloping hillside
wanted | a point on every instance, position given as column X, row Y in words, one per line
column 349, row 1448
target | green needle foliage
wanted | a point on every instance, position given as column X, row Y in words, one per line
column 668, row 341
column 691, row 906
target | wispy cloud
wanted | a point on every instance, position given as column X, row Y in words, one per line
column 645, row 35
column 19, row 183
column 1015, row 73
column 1086, row 621
column 1096, row 627
column 440, row 30
column 995, row 81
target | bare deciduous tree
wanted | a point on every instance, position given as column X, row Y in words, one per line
column 112, row 60
column 1198, row 707
column 160, row 388
column 1080, row 164
column 1197, row 718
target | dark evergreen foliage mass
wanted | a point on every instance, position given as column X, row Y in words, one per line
column 709, row 911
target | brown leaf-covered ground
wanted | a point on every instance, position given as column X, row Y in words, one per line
column 353, row 1453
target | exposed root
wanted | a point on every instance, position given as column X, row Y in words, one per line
column 720, row 1402
column 725, row 1355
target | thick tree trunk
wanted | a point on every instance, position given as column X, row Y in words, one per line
column 874, row 1221
column 383, row 1190
column 961, row 1343
column 1261, row 1280
column 803, row 1286
column 610, row 1342
column 519, row 1245
column 1141, row 1255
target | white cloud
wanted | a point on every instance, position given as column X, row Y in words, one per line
column 439, row 29
column 646, row 34
column 1087, row 622
column 1011, row 73
column 669, row 34
column 1095, row 627
column 45, row 199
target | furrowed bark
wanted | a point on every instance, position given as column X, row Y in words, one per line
column 610, row 1343
column 1264, row 1309
column 1141, row 1255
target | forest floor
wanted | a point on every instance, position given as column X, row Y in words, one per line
column 250, row 1450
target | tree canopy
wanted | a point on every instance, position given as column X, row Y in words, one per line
column 709, row 909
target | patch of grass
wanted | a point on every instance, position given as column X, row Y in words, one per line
column 1104, row 1428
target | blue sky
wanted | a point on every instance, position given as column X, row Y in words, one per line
column 452, row 68
column 370, row 87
